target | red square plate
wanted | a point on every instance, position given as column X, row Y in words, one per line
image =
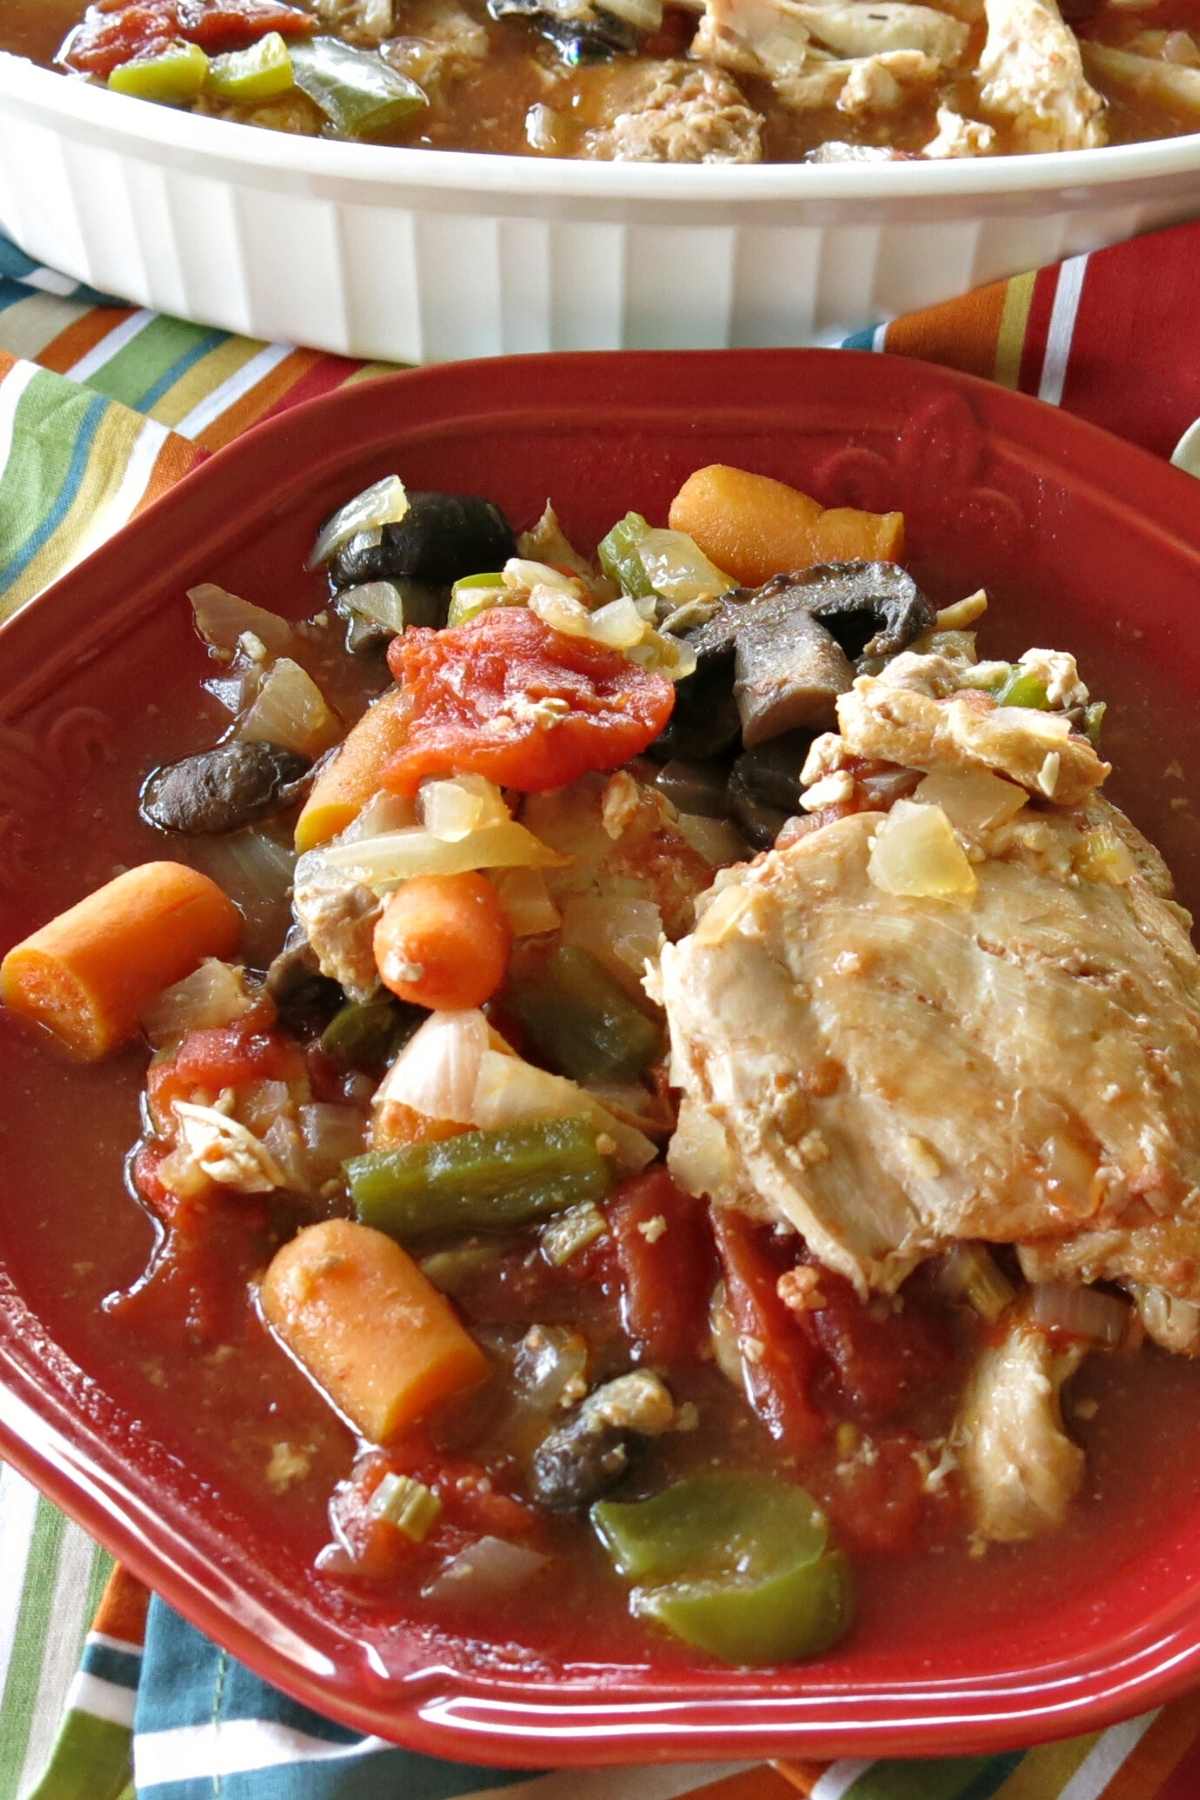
column 1083, row 542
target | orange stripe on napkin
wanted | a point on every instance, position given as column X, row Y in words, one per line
column 64, row 351
column 960, row 334
column 122, row 1609
column 1159, row 1752
column 801, row 1777
column 750, row 1784
column 261, row 399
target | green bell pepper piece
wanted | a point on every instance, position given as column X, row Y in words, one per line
column 738, row 1565
column 473, row 594
column 619, row 558
column 174, row 75
column 361, row 95
column 1093, row 721
column 260, row 72
column 480, row 1181
column 581, row 1021
column 367, row 1034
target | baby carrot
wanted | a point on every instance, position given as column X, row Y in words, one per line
column 355, row 773
column 755, row 527
column 443, row 941
column 357, row 1312
column 88, row 974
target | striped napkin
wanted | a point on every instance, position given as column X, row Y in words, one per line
column 102, row 407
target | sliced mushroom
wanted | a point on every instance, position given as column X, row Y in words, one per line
column 770, row 772
column 304, row 998
column 789, row 671
column 587, row 1456
column 222, row 788
column 440, row 538
column 580, row 31
column 871, row 608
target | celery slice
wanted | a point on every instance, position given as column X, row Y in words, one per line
column 619, row 558
column 360, row 94
column 581, row 1021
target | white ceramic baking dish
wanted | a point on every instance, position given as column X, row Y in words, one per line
column 416, row 255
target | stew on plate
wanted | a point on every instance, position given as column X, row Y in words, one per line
column 665, row 1085
column 636, row 80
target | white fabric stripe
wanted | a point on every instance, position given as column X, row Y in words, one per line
column 18, row 1510
column 11, row 389
column 1062, row 328
column 879, row 337
column 248, row 376
column 108, row 346
column 840, row 1777
column 102, row 1641
column 105, row 1699
column 116, row 509
column 49, row 281
column 70, row 1617
column 614, row 1784
column 1105, row 1758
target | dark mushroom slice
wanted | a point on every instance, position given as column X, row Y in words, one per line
column 305, row 1000
column 700, row 788
column 223, row 788
column 871, row 608
column 440, row 538
column 591, row 1453
column 788, row 670
column 770, row 773
column 758, row 821
column 580, row 31
column 704, row 722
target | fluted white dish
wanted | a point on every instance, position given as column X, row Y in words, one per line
column 417, row 255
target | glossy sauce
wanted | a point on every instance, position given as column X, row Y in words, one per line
column 488, row 110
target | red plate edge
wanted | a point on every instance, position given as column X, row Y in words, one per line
column 923, row 1717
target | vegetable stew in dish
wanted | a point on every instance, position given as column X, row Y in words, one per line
column 636, row 80
column 664, row 1082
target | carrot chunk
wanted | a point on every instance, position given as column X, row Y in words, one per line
column 355, row 1309
column 88, row 974
column 355, row 773
column 754, row 527
column 443, row 941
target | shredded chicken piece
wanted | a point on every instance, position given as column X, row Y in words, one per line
column 676, row 112
column 339, row 921
column 893, row 718
column 1031, row 72
column 957, row 136
column 365, row 22
column 224, row 1150
column 1175, row 1324
column 856, row 30
column 1020, row 1468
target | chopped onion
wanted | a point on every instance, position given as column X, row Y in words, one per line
column 550, row 1366
column 383, row 503
column 635, row 1105
column 451, row 810
column 1171, row 1322
column 1083, row 1312
column 562, row 612
column 282, row 1138
column 234, row 692
column 485, row 1569
column 974, row 800
column 254, row 868
column 520, row 572
column 214, row 994
column 916, row 854
column 260, row 1103
column 332, row 1134
column 968, row 1272
column 678, row 569
column 565, row 1235
column 380, row 601
column 437, row 1071
column 290, row 710
column 643, row 15
column 698, row 1155
column 222, row 617
column 510, row 1091
column 526, row 901
column 716, row 840
column 1104, row 856
column 384, row 862
column 384, row 812
column 618, row 625
column 623, row 933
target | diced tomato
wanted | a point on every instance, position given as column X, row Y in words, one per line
column 881, row 1358
column 877, row 1501
column 779, row 1356
column 665, row 1252
column 473, row 1497
column 219, row 1058
column 475, row 689
column 673, row 36
column 119, row 31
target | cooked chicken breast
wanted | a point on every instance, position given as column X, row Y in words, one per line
column 1020, row 1468
column 1031, row 72
column 675, row 112
column 1009, row 1053
column 857, row 58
